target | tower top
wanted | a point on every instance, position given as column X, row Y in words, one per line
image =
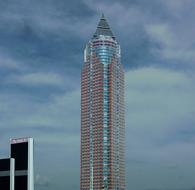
column 103, row 28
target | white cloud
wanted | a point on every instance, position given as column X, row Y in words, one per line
column 161, row 33
column 55, row 126
column 8, row 62
column 157, row 99
column 59, row 112
column 173, row 46
column 159, row 103
column 36, row 79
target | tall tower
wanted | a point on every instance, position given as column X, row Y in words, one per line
column 102, row 113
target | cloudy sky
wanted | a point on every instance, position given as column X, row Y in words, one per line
column 41, row 56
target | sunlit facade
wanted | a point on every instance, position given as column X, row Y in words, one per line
column 102, row 113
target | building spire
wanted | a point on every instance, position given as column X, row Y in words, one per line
column 103, row 28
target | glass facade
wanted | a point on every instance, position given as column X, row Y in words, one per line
column 7, row 168
column 22, row 152
column 102, row 113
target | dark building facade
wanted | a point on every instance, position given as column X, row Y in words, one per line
column 22, row 152
column 102, row 113
column 7, row 168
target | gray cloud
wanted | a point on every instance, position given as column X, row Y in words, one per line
column 41, row 57
column 156, row 100
column 34, row 79
column 41, row 180
column 159, row 103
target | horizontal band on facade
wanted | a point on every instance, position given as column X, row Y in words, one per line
column 17, row 173
column 4, row 173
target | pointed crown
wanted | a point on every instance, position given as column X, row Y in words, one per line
column 103, row 28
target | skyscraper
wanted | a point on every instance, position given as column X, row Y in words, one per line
column 22, row 152
column 102, row 113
